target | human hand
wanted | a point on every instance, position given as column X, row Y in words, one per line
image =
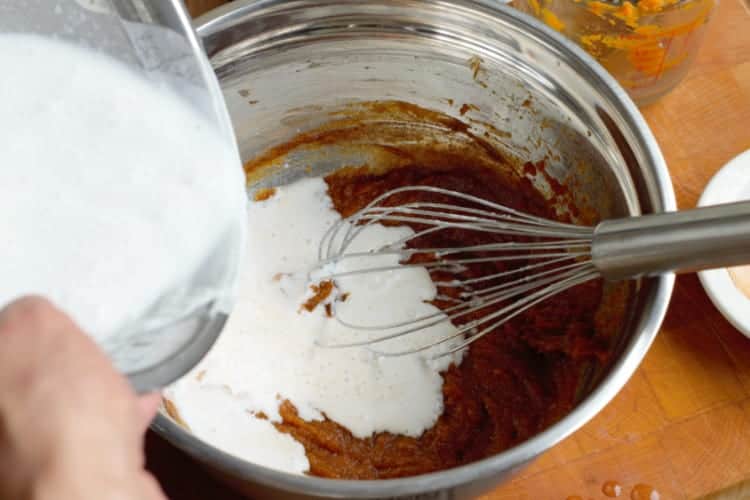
column 71, row 427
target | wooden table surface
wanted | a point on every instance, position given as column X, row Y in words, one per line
column 682, row 423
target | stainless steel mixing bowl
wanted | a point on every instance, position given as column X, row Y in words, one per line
column 285, row 65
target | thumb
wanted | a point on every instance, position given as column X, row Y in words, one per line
column 148, row 405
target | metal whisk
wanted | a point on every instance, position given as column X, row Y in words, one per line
column 554, row 256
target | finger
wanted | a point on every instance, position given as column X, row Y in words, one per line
column 40, row 344
column 39, row 332
column 148, row 405
column 50, row 370
column 28, row 315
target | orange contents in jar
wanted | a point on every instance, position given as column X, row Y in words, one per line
column 646, row 44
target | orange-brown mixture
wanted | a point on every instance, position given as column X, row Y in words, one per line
column 512, row 384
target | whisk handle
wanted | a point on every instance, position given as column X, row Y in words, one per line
column 688, row 240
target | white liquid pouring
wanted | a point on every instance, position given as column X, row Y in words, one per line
column 112, row 188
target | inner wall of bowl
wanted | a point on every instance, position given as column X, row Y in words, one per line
column 278, row 88
column 284, row 93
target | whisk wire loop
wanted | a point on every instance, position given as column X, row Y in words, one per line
column 552, row 257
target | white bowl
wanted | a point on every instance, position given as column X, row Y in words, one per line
column 731, row 183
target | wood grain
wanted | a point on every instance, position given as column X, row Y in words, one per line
column 682, row 423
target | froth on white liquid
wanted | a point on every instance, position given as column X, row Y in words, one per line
column 268, row 352
column 113, row 187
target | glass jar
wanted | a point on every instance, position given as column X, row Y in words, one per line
column 648, row 45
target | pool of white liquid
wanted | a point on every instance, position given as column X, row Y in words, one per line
column 269, row 352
